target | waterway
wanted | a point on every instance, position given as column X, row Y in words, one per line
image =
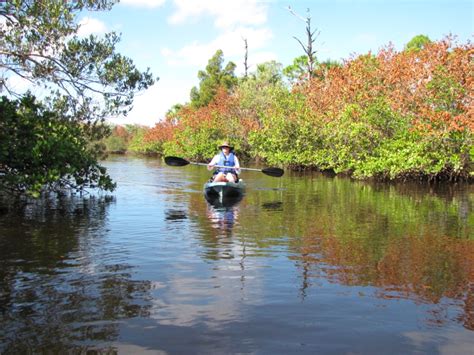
column 302, row 264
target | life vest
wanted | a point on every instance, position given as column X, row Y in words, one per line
column 226, row 161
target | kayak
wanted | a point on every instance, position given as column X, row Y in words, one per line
column 224, row 189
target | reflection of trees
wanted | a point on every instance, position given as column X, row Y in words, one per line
column 414, row 245
column 55, row 291
column 427, row 269
column 408, row 240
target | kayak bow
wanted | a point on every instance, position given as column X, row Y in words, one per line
column 224, row 189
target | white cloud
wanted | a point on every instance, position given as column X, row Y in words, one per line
column 89, row 25
column 151, row 106
column 143, row 3
column 226, row 13
column 235, row 20
column 230, row 42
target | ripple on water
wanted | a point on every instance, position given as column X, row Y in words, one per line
column 301, row 264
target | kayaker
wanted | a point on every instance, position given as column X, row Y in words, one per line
column 226, row 157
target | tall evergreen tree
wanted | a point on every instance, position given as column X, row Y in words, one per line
column 418, row 42
column 213, row 78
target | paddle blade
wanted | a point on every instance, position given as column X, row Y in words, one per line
column 276, row 172
column 175, row 161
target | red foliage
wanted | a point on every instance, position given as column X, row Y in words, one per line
column 432, row 89
column 433, row 86
column 121, row 132
column 162, row 132
column 213, row 115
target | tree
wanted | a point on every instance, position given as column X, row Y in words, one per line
column 297, row 70
column 255, row 97
column 118, row 141
column 82, row 80
column 310, row 39
column 40, row 149
column 268, row 73
column 212, row 79
column 417, row 43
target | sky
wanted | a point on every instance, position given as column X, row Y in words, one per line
column 176, row 38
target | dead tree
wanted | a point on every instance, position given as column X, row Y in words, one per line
column 311, row 38
column 246, row 67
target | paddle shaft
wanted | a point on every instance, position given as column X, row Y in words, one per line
column 176, row 161
column 225, row 167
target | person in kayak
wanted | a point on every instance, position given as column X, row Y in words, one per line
column 225, row 158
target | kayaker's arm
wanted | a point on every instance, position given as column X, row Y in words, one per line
column 237, row 165
column 213, row 162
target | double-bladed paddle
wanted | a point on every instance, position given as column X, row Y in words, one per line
column 175, row 161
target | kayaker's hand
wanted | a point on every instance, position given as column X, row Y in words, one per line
column 210, row 167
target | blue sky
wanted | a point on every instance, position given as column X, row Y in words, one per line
column 175, row 38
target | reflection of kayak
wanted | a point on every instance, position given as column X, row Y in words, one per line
column 217, row 202
column 223, row 190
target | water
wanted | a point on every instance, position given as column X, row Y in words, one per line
column 302, row 264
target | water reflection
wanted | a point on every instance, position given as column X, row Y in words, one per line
column 273, row 206
column 402, row 241
column 59, row 285
column 223, row 213
column 223, row 217
column 305, row 258
column 219, row 202
column 427, row 269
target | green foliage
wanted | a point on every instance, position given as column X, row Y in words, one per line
column 268, row 74
column 287, row 136
column 116, row 144
column 417, row 43
column 257, row 95
column 84, row 80
column 40, row 150
column 213, row 78
column 395, row 158
column 200, row 144
column 46, row 51
column 258, row 92
column 138, row 144
column 390, row 115
column 297, row 70
column 349, row 140
column 371, row 141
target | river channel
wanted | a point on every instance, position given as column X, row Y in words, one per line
column 302, row 264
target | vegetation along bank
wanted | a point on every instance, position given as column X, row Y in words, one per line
column 390, row 115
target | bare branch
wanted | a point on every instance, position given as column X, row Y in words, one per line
column 311, row 38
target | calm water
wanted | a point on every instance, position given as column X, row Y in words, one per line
column 302, row 264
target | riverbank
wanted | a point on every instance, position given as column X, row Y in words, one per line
column 446, row 176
